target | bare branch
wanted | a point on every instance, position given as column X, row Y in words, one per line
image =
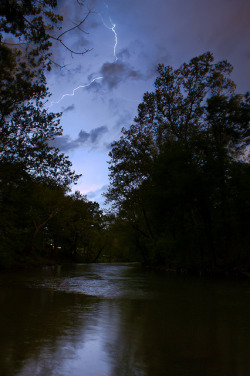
column 58, row 38
column 58, row 65
column 70, row 50
column 80, row 3
column 76, row 26
column 83, row 31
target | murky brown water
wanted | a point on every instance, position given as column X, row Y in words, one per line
column 121, row 320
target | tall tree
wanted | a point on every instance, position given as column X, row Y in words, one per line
column 171, row 171
column 28, row 30
column 29, row 166
column 174, row 111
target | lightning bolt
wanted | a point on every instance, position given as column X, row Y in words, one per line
column 74, row 90
column 115, row 33
column 116, row 38
column 97, row 78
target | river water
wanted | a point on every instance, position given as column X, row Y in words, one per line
column 122, row 320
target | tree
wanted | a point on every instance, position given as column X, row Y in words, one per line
column 171, row 171
column 39, row 220
column 77, row 230
column 25, row 139
column 29, row 165
column 26, row 207
column 27, row 34
column 175, row 111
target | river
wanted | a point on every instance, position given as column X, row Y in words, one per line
column 122, row 320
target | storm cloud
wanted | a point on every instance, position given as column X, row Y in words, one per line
column 114, row 73
column 92, row 138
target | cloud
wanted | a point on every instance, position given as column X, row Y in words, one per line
column 92, row 138
column 114, row 73
column 96, row 133
column 97, row 196
column 124, row 121
column 97, row 193
column 82, row 137
column 123, row 54
column 69, row 108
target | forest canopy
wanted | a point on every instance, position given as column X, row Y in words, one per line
column 180, row 175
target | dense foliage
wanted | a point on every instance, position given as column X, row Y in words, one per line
column 180, row 175
column 26, row 127
column 39, row 219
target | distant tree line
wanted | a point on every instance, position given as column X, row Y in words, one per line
column 180, row 175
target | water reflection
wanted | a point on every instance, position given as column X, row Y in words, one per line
column 119, row 320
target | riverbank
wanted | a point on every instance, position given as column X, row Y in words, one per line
column 36, row 261
column 218, row 272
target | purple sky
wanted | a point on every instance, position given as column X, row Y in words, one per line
column 148, row 33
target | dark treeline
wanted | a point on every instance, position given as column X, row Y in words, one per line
column 39, row 219
column 40, row 223
column 179, row 176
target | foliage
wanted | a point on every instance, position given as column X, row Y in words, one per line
column 25, row 139
column 77, row 229
column 24, row 50
column 27, row 30
column 39, row 220
column 38, row 217
column 174, row 171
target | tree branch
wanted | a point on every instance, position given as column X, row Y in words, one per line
column 58, row 38
column 76, row 26
column 69, row 49
column 58, row 65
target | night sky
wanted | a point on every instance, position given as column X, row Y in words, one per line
column 121, row 67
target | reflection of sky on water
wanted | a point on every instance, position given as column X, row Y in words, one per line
column 71, row 359
column 93, row 341
column 102, row 320
column 93, row 349
column 112, row 284
column 91, row 328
